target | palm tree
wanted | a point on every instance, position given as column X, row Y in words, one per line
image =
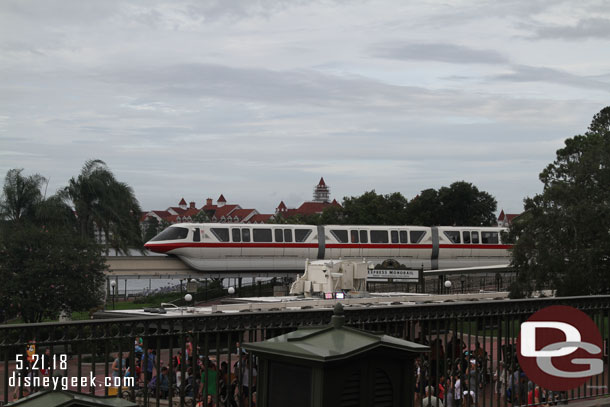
column 102, row 202
column 20, row 196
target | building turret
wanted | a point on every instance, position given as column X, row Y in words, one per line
column 321, row 192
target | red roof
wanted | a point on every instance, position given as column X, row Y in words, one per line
column 507, row 217
column 309, row 208
column 242, row 213
column 171, row 218
column 260, row 218
column 281, row 206
column 221, row 199
column 182, row 202
column 209, row 208
column 162, row 214
column 321, row 183
column 191, row 212
column 177, row 209
column 224, row 211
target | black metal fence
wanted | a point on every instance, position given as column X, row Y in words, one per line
column 182, row 360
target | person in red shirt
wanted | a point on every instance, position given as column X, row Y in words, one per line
column 441, row 388
column 533, row 396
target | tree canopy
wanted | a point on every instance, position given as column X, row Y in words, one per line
column 102, row 202
column 45, row 265
column 562, row 240
column 459, row 204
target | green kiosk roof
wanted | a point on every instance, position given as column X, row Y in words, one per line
column 330, row 343
column 69, row 398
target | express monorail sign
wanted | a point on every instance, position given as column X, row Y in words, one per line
column 408, row 276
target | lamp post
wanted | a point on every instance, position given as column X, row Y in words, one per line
column 448, row 285
column 462, row 280
column 370, row 266
column 113, row 285
column 187, row 298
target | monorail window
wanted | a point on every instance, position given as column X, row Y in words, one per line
column 416, row 236
column 236, row 235
column 279, row 236
column 245, row 235
column 404, row 236
column 221, row 234
column 453, row 236
column 288, row 235
column 196, row 235
column 379, row 236
column 261, row 235
column 300, row 235
column 340, row 235
column 489, row 238
column 354, row 236
column 364, row 237
column 466, row 237
column 394, row 236
column 475, row 237
column 174, row 233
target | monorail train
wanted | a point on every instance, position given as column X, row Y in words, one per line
column 217, row 247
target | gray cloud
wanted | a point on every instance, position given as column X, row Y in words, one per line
column 523, row 73
column 585, row 28
column 258, row 99
column 437, row 52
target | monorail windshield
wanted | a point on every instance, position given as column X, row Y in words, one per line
column 174, row 233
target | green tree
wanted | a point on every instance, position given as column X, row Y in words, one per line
column 425, row 209
column 462, row 204
column 371, row 208
column 21, row 195
column 45, row 266
column 332, row 215
column 102, row 202
column 151, row 228
column 459, row 204
column 201, row 217
column 562, row 239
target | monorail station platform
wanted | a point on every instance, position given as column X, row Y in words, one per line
column 294, row 303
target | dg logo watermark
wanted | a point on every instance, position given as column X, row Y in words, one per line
column 559, row 348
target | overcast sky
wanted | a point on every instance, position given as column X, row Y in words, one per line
column 258, row 99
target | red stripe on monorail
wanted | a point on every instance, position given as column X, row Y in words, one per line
column 377, row 246
column 415, row 246
column 165, row 247
column 476, row 246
